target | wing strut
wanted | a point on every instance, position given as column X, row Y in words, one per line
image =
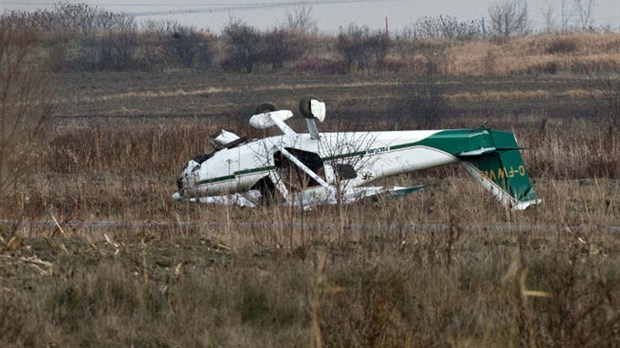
column 303, row 167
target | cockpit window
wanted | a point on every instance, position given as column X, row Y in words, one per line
column 202, row 158
column 345, row 171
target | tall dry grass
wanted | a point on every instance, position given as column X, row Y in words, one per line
column 362, row 288
column 545, row 54
column 374, row 274
column 106, row 258
column 128, row 171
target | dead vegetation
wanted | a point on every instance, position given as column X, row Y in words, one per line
column 106, row 258
column 266, row 286
column 101, row 256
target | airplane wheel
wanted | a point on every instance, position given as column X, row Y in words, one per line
column 304, row 106
column 265, row 107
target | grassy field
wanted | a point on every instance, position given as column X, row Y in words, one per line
column 94, row 252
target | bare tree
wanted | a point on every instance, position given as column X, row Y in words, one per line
column 352, row 45
column 244, row 45
column 24, row 106
column 379, row 44
column 291, row 40
column 577, row 13
column 507, row 19
column 584, row 10
column 186, row 42
column 360, row 45
column 282, row 46
column 548, row 14
column 77, row 17
column 301, row 20
column 446, row 28
column 113, row 50
column 107, row 20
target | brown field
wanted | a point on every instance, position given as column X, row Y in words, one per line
column 94, row 252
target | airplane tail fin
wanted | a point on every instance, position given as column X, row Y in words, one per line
column 501, row 171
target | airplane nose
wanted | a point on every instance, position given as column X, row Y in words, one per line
column 186, row 180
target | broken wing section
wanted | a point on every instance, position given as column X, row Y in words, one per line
column 500, row 169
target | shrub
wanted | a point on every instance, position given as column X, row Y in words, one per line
column 358, row 45
column 281, row 46
column 561, row 45
column 243, row 47
column 187, row 43
column 445, row 28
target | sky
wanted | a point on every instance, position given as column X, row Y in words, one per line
column 330, row 15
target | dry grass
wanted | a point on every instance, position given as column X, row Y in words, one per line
column 103, row 257
column 308, row 280
column 150, row 272
column 540, row 54
column 122, row 161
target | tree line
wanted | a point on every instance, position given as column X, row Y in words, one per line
column 79, row 37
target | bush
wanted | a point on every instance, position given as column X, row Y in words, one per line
column 243, row 47
column 360, row 46
column 116, row 51
column 445, row 28
column 561, row 45
column 282, row 45
column 187, row 43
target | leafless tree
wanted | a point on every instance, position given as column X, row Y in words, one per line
column 445, row 28
column 281, row 45
column 291, row 40
column 243, row 46
column 185, row 41
column 113, row 50
column 584, row 10
column 360, row 45
column 24, row 106
column 301, row 20
column 548, row 14
column 68, row 18
column 436, row 59
column 379, row 45
column 352, row 45
column 117, row 21
column 507, row 19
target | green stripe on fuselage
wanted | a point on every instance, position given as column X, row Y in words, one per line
column 232, row 177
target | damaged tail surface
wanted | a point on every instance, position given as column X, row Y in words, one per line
column 502, row 171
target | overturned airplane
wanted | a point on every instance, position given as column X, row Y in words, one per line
column 307, row 169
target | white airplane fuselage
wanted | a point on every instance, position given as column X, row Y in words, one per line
column 316, row 168
column 373, row 155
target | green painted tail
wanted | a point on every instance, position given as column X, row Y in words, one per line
column 500, row 169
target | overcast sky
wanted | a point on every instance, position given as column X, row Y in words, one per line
column 330, row 15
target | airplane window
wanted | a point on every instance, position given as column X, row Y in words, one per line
column 295, row 178
column 345, row 171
